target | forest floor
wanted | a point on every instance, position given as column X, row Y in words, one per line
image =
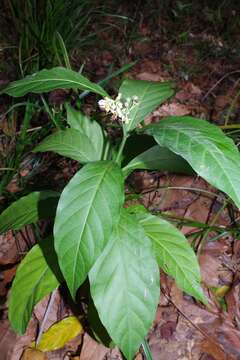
column 204, row 64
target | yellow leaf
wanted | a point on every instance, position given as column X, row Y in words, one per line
column 59, row 334
column 222, row 291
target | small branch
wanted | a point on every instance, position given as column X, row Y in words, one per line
column 45, row 317
column 218, row 82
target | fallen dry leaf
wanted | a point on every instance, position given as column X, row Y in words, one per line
column 6, row 278
column 32, row 354
column 172, row 109
column 22, row 342
column 213, row 259
column 7, row 339
column 150, row 76
column 92, row 350
column 213, row 350
column 14, row 245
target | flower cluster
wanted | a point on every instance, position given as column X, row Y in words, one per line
column 119, row 108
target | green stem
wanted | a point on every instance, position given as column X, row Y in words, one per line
column 147, row 350
column 121, row 147
column 231, row 126
column 106, row 150
column 52, row 117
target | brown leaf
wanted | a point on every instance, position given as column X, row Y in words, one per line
column 7, row 277
column 167, row 329
column 92, row 350
column 216, row 327
column 221, row 102
column 24, row 341
column 7, row 339
column 213, row 259
column 172, row 109
column 14, row 246
column 32, row 354
column 214, row 351
column 149, row 76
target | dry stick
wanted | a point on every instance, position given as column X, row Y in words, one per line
column 231, row 108
column 210, row 193
column 48, row 309
column 218, row 82
column 31, row 129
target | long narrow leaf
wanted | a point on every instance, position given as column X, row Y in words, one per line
column 48, row 80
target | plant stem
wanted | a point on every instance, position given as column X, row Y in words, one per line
column 147, row 350
column 52, row 117
column 106, row 150
column 231, row 126
column 121, row 147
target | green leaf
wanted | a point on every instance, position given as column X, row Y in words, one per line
column 70, row 143
column 124, row 285
column 174, row 255
column 36, row 277
column 150, row 95
column 89, row 127
column 137, row 209
column 29, row 209
column 210, row 153
column 87, row 210
column 158, row 158
column 48, row 80
column 97, row 330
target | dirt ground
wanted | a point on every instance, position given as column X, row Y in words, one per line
column 205, row 66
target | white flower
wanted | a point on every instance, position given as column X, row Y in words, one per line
column 119, row 108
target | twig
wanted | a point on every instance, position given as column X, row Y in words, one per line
column 166, row 187
column 218, row 82
column 31, row 129
column 45, row 317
